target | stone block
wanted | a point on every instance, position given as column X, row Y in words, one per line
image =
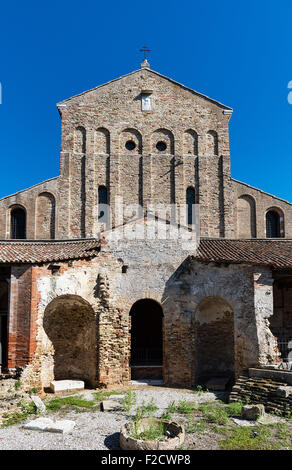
column 110, row 405
column 284, row 392
column 48, row 425
column 66, row 385
column 40, row 406
column 252, row 412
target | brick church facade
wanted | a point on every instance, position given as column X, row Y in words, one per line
column 77, row 304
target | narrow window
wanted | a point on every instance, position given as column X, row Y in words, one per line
column 102, row 204
column 18, row 224
column 273, row 224
column 190, row 199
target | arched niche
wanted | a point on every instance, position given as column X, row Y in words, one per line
column 246, row 217
column 45, row 216
column 70, row 325
column 190, row 142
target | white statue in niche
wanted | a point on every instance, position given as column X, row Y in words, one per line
column 146, row 103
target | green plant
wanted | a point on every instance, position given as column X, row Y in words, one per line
column 246, row 438
column 246, row 400
column 214, row 414
column 200, row 389
column 234, row 409
column 68, row 402
column 185, row 407
column 172, row 407
column 166, row 415
column 17, row 384
column 155, row 431
column 129, row 401
column 33, row 390
column 194, row 426
column 18, row 416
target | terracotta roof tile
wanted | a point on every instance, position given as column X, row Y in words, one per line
column 46, row 251
column 272, row 252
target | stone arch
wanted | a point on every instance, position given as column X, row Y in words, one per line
column 80, row 140
column 214, row 339
column 246, row 217
column 162, row 136
column 70, row 325
column 45, row 216
column 190, row 142
column 146, row 339
column 130, row 141
column 17, row 222
column 212, row 143
column 275, row 223
column 102, row 141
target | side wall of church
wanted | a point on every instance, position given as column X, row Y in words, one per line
column 251, row 206
column 39, row 204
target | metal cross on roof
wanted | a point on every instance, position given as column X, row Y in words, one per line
column 145, row 50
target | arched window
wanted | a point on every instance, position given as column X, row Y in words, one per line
column 273, row 224
column 102, row 204
column 18, row 224
column 190, row 200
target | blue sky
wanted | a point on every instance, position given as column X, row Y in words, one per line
column 237, row 52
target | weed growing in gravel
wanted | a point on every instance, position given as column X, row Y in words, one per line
column 247, row 438
column 68, row 402
column 166, row 415
column 234, row 409
column 129, row 401
column 26, row 409
column 17, row 384
column 214, row 414
column 148, row 409
column 195, row 426
column 172, row 407
column 185, row 407
column 104, row 394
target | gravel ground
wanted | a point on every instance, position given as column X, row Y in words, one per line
column 93, row 430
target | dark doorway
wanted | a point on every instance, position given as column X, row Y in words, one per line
column 146, row 339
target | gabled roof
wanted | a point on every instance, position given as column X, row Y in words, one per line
column 154, row 73
column 276, row 253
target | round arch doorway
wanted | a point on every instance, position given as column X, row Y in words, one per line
column 146, row 340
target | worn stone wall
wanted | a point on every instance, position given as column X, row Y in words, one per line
column 255, row 390
column 39, row 203
column 251, row 206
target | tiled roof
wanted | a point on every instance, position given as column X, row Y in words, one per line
column 46, row 251
column 272, row 252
